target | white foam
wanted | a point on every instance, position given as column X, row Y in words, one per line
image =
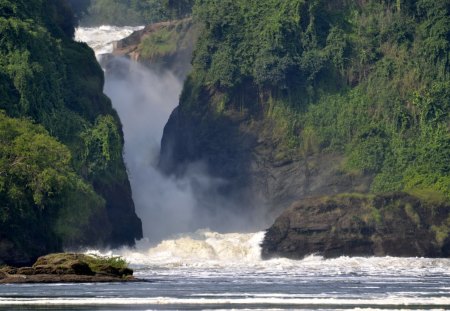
column 237, row 253
column 388, row 301
column 101, row 39
column 201, row 249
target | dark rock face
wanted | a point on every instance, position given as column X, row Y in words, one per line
column 238, row 147
column 27, row 253
column 357, row 225
column 126, row 225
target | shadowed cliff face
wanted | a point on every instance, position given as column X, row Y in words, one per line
column 240, row 147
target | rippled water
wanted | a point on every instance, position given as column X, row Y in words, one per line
column 208, row 270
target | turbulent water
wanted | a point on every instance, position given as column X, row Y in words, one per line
column 209, row 270
column 101, row 39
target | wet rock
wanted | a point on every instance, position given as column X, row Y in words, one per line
column 395, row 224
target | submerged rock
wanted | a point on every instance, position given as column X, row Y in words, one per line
column 395, row 224
column 69, row 268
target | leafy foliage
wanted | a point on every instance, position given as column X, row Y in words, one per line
column 131, row 12
column 70, row 139
column 368, row 79
column 124, row 13
column 36, row 181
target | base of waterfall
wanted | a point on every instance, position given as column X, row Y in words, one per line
column 69, row 268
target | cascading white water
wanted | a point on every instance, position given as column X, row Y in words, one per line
column 239, row 253
column 144, row 100
column 101, row 39
column 202, row 248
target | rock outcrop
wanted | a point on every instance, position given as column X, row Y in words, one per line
column 69, row 268
column 395, row 224
column 164, row 46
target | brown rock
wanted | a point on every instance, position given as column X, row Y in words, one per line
column 68, row 268
column 360, row 225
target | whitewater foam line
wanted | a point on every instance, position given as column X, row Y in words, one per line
column 386, row 302
column 205, row 251
column 101, row 39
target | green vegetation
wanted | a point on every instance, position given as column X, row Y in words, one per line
column 163, row 42
column 37, row 182
column 60, row 139
column 167, row 40
column 131, row 12
column 123, row 13
column 367, row 79
column 72, row 263
column 96, row 262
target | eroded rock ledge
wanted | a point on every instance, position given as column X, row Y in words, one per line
column 69, row 268
column 395, row 224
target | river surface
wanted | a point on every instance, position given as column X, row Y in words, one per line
column 214, row 271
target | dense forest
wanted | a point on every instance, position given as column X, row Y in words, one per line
column 369, row 80
column 129, row 12
column 61, row 142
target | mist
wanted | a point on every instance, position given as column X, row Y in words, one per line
column 167, row 205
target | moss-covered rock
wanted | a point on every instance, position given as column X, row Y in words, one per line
column 68, row 267
column 396, row 224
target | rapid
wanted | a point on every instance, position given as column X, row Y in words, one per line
column 211, row 271
column 216, row 271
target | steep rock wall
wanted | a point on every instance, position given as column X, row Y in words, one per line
column 64, row 183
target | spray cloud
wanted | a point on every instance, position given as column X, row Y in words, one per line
column 144, row 100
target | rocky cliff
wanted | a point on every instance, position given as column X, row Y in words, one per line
column 292, row 99
column 357, row 225
column 63, row 182
column 241, row 147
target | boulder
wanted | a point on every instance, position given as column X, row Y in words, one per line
column 395, row 224
column 69, row 268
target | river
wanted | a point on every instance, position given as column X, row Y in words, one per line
column 211, row 271
column 215, row 271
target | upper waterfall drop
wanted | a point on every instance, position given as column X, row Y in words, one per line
column 101, row 39
column 144, row 100
column 144, row 97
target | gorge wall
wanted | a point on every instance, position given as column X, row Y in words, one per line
column 291, row 99
column 63, row 182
